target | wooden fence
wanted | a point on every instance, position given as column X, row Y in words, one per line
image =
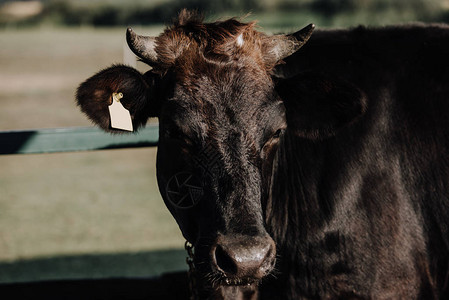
column 73, row 139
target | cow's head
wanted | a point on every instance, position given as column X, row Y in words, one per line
column 220, row 124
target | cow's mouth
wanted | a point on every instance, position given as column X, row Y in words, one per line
column 218, row 279
column 226, row 288
column 238, row 281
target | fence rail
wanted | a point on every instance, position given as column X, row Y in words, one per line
column 73, row 139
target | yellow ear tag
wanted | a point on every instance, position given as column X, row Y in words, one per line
column 120, row 116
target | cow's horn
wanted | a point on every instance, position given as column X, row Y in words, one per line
column 303, row 35
column 142, row 46
column 289, row 44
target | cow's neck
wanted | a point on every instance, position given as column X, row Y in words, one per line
column 307, row 184
column 298, row 206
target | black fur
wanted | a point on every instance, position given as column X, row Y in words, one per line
column 342, row 158
column 365, row 214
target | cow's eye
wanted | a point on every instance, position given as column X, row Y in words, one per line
column 274, row 138
column 174, row 134
column 180, row 140
column 277, row 134
column 177, row 137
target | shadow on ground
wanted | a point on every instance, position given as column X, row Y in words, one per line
column 142, row 275
column 168, row 286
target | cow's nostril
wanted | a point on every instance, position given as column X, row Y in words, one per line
column 225, row 262
column 243, row 257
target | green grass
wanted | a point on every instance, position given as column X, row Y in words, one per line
column 82, row 203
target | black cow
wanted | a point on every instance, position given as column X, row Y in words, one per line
column 318, row 175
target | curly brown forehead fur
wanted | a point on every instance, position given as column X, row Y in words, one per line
column 191, row 41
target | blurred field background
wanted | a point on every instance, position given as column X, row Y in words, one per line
column 99, row 214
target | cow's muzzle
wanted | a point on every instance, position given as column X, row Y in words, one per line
column 241, row 259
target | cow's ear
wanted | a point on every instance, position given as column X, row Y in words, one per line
column 137, row 91
column 318, row 106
